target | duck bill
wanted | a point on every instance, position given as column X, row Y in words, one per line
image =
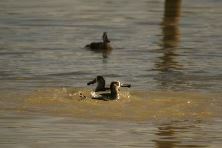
column 91, row 82
column 125, row 85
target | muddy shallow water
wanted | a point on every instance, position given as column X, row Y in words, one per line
column 172, row 60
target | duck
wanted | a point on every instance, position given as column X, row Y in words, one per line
column 101, row 84
column 104, row 46
column 113, row 95
column 100, row 45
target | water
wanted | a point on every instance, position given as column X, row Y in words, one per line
column 37, row 131
column 173, row 61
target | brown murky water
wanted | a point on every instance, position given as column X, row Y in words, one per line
column 170, row 51
column 58, row 117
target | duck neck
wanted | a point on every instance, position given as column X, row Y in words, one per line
column 114, row 93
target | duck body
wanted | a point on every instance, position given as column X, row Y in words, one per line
column 104, row 46
column 113, row 95
column 99, row 46
column 101, row 84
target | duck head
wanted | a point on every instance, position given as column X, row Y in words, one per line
column 105, row 38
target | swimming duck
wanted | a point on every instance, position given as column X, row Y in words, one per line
column 101, row 84
column 103, row 47
column 113, row 95
column 100, row 45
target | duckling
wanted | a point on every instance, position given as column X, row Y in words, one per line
column 101, row 84
column 113, row 95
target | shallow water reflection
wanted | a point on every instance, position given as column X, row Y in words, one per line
column 174, row 134
column 36, row 130
column 168, row 63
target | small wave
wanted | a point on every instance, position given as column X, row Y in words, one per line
column 74, row 73
column 14, row 53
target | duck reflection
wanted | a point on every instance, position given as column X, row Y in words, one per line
column 167, row 63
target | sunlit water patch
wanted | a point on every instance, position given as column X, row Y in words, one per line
column 132, row 105
column 52, row 117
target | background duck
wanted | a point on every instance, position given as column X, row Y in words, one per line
column 100, row 45
column 103, row 46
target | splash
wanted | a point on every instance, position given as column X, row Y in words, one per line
column 132, row 105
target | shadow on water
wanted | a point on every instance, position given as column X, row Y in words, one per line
column 166, row 137
column 167, row 64
column 105, row 52
column 170, row 136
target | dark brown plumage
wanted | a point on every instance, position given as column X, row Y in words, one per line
column 100, row 45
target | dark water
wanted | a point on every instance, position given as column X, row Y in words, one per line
column 170, row 51
column 42, row 44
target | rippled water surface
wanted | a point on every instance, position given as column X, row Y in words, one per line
column 170, row 51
